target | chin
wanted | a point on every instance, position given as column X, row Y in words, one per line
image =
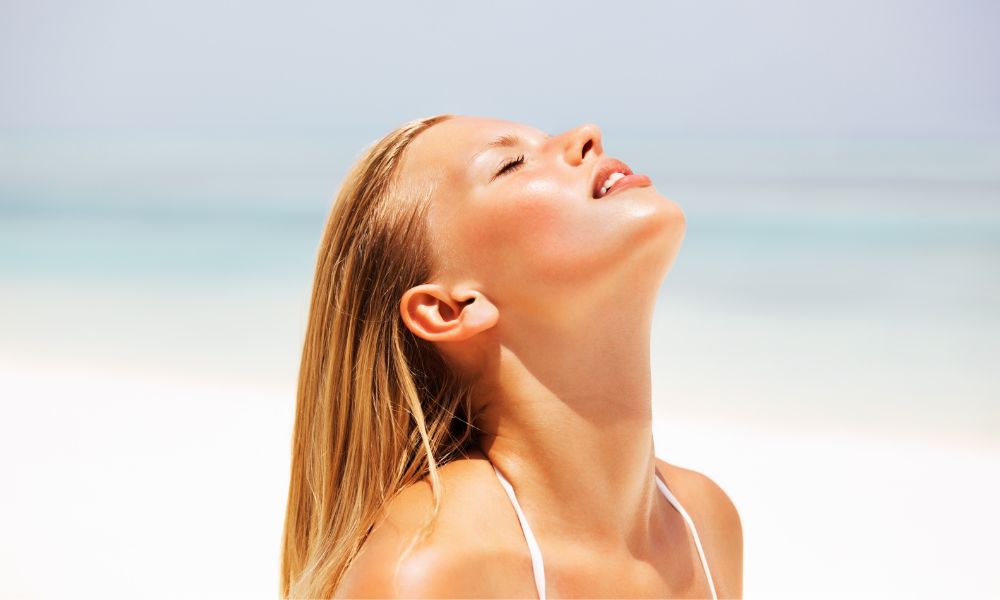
column 663, row 234
column 667, row 218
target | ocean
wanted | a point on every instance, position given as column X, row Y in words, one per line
column 840, row 282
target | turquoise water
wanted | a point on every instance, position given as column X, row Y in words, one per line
column 817, row 290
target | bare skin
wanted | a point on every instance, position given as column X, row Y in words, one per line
column 546, row 296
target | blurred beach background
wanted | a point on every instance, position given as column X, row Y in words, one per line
column 825, row 347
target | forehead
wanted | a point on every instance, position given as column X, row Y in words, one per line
column 450, row 149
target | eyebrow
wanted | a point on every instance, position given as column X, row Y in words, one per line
column 507, row 140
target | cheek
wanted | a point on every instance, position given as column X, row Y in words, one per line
column 543, row 232
column 539, row 218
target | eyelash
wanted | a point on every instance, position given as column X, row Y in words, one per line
column 511, row 166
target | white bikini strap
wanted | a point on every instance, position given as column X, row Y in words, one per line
column 690, row 523
column 536, row 553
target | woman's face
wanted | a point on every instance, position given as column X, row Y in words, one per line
column 529, row 234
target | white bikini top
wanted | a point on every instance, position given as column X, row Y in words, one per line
column 536, row 553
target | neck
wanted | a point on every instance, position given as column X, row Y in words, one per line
column 568, row 420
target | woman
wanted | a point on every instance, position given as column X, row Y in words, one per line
column 474, row 405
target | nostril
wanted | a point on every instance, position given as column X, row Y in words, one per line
column 587, row 147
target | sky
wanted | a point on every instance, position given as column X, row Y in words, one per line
column 778, row 67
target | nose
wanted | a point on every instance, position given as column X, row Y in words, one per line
column 581, row 142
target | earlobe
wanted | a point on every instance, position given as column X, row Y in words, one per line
column 432, row 313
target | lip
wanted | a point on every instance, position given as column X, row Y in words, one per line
column 629, row 181
column 610, row 165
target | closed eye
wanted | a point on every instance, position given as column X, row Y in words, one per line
column 510, row 166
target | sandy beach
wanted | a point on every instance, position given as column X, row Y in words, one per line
column 136, row 485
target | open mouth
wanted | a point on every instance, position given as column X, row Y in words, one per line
column 613, row 175
column 609, row 172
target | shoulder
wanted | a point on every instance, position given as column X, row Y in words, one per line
column 704, row 494
column 468, row 552
column 429, row 572
column 717, row 520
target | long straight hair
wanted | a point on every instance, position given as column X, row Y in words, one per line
column 377, row 407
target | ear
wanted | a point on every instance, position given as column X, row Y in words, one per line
column 433, row 313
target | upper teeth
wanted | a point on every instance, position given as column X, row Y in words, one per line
column 611, row 181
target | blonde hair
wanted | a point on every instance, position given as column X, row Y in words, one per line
column 378, row 408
